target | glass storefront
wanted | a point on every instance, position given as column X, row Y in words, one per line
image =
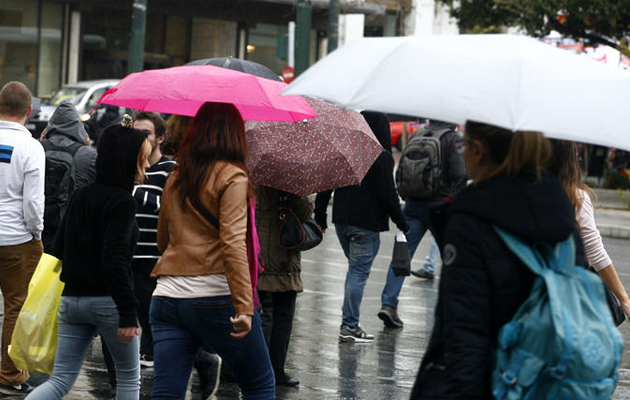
column 18, row 41
column 49, row 70
column 105, row 44
column 106, row 36
column 34, row 34
column 212, row 38
column 263, row 43
column 19, row 48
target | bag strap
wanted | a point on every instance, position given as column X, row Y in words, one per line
column 542, row 255
column 204, row 212
column 71, row 149
column 282, row 216
column 438, row 133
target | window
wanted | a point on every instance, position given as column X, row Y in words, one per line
column 18, row 41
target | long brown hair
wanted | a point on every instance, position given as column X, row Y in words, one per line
column 564, row 164
column 512, row 153
column 217, row 133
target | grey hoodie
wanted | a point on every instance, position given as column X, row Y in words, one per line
column 65, row 128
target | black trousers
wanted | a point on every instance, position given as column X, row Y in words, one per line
column 276, row 311
column 143, row 286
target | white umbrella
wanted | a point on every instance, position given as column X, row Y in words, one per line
column 510, row 81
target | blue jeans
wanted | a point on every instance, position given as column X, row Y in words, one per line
column 181, row 326
column 431, row 260
column 79, row 319
column 360, row 247
column 417, row 216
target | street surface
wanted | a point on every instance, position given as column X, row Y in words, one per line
column 385, row 369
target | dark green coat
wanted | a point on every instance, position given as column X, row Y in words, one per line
column 282, row 267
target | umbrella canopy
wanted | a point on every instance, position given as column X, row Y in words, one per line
column 334, row 149
column 249, row 67
column 183, row 90
column 511, row 81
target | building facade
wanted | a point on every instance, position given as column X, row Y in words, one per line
column 47, row 43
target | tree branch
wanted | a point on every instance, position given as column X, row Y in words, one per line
column 593, row 37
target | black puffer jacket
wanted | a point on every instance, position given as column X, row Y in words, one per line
column 370, row 204
column 482, row 282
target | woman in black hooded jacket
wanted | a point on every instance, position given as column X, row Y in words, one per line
column 96, row 242
column 482, row 282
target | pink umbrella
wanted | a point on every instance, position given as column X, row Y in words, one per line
column 183, row 90
column 332, row 150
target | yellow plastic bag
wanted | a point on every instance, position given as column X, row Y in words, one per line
column 34, row 342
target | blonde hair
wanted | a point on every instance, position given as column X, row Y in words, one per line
column 143, row 156
column 510, row 153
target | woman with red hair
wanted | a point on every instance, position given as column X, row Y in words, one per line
column 204, row 292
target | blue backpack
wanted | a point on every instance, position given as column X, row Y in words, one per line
column 561, row 343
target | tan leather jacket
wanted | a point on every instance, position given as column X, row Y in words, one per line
column 192, row 246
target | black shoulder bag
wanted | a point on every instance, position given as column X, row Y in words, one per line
column 296, row 235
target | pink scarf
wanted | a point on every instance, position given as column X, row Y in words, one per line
column 253, row 248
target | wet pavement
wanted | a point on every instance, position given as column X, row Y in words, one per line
column 327, row 369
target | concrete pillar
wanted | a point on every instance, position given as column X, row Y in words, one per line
column 302, row 36
column 333, row 25
column 74, row 47
column 138, row 31
column 351, row 26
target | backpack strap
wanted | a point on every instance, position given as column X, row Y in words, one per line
column 440, row 132
column 542, row 255
column 71, row 149
column 425, row 131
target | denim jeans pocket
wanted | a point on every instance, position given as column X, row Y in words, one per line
column 360, row 246
column 105, row 311
column 63, row 310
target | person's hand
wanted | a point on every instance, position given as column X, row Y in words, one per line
column 321, row 229
column 126, row 335
column 242, row 325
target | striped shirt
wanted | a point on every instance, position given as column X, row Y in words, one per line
column 148, row 198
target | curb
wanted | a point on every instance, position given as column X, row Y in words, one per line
column 614, row 231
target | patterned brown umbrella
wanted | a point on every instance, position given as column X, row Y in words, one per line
column 332, row 150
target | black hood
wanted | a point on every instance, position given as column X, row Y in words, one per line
column 379, row 123
column 66, row 121
column 118, row 148
column 526, row 207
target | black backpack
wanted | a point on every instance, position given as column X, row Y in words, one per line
column 59, row 186
column 419, row 172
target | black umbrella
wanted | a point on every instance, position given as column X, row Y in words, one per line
column 249, row 67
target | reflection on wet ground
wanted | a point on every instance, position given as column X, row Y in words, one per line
column 327, row 369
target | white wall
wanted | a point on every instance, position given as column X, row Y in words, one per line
column 428, row 18
column 350, row 27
